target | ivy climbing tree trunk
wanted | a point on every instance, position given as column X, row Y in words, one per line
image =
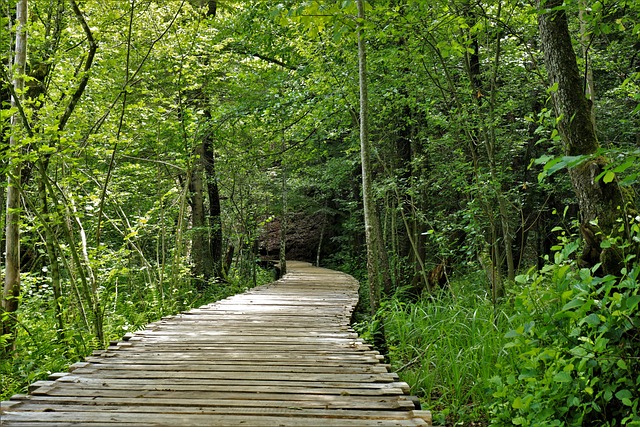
column 12, row 237
column 599, row 201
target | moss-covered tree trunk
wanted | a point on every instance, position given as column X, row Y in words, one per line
column 598, row 201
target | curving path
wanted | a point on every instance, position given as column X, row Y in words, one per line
column 279, row 355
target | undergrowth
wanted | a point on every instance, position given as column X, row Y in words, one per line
column 446, row 348
column 563, row 349
column 575, row 347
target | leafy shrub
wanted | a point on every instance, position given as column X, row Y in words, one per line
column 575, row 356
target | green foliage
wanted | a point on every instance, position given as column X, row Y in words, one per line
column 280, row 83
column 447, row 349
column 622, row 168
column 574, row 355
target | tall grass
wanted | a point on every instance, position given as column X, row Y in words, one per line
column 447, row 348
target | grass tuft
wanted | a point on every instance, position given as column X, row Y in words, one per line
column 447, row 348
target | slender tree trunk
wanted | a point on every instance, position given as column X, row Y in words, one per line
column 180, row 241
column 283, row 220
column 321, row 238
column 486, row 109
column 378, row 272
column 598, row 201
column 365, row 157
column 12, row 260
column 52, row 254
column 585, row 44
column 505, row 222
column 161, row 258
column 89, row 286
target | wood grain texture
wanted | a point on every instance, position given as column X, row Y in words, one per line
column 279, row 355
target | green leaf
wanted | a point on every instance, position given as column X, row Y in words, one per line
column 572, row 304
column 517, row 403
column 624, row 166
column 608, row 177
column 608, row 395
column 624, row 394
column 632, row 302
column 591, row 320
column 553, row 88
column 630, row 179
column 515, row 332
column 562, row 377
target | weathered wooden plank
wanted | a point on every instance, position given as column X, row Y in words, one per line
column 247, row 347
column 175, row 409
column 189, row 366
column 328, row 387
column 120, row 373
column 241, row 387
column 205, row 398
column 191, row 420
column 236, row 355
column 237, row 360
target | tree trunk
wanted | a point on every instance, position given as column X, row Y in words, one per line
column 283, row 220
column 52, row 253
column 321, row 238
column 12, row 260
column 215, row 211
column 585, row 44
column 200, row 250
column 486, row 106
column 378, row 272
column 598, row 201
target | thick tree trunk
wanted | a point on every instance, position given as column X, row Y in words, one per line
column 200, row 249
column 598, row 201
column 12, row 260
column 215, row 210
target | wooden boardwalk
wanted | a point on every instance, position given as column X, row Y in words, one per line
column 279, row 355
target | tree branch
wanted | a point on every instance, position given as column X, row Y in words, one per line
column 235, row 48
column 75, row 98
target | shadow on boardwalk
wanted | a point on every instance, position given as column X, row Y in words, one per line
column 279, row 355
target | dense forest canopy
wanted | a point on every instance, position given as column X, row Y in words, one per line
column 479, row 155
